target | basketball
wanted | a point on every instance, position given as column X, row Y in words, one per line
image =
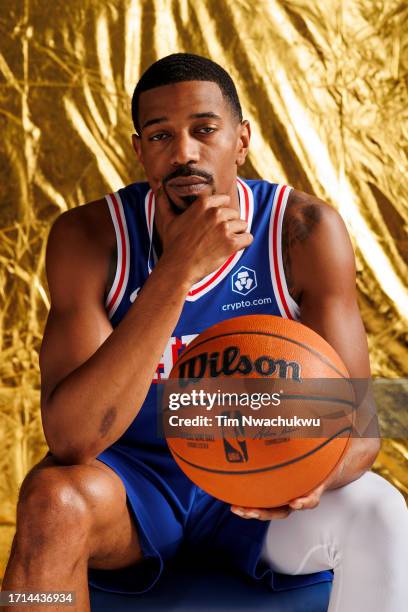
column 256, row 454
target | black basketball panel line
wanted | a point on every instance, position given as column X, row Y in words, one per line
column 321, row 357
column 267, row 469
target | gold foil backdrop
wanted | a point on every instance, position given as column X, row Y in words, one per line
column 322, row 84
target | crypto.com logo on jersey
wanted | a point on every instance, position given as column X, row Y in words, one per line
column 243, row 281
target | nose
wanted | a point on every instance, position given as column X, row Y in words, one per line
column 185, row 149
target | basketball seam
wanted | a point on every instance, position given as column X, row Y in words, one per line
column 258, row 470
column 258, row 333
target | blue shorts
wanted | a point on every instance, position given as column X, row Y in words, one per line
column 183, row 516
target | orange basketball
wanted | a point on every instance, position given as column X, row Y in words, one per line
column 249, row 454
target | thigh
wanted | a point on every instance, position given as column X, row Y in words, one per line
column 313, row 540
column 113, row 538
column 213, row 527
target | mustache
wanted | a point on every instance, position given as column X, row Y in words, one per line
column 183, row 171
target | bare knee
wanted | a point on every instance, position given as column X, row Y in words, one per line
column 51, row 508
column 80, row 509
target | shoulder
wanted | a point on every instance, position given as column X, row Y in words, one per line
column 89, row 221
column 309, row 211
column 79, row 247
column 311, row 221
column 315, row 242
column 83, row 229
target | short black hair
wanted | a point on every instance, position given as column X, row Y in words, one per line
column 179, row 67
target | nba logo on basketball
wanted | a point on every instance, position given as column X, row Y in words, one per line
column 235, row 447
column 245, row 466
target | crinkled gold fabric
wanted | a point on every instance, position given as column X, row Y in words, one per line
column 323, row 85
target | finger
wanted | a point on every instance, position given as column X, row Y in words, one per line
column 242, row 241
column 219, row 199
column 296, row 504
column 263, row 514
column 224, row 212
column 313, row 497
column 306, row 503
column 272, row 515
column 235, row 226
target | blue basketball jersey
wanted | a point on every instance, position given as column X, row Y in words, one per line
column 168, row 508
column 251, row 281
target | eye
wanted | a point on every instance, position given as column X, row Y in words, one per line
column 157, row 137
column 206, row 130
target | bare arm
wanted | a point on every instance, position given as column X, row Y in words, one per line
column 94, row 379
column 323, row 266
column 320, row 271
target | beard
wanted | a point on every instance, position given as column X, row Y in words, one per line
column 188, row 200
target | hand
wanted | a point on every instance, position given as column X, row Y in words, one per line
column 305, row 502
column 309, row 501
column 199, row 240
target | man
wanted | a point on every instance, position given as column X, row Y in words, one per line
column 109, row 496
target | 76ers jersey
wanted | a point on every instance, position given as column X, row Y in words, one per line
column 251, row 281
column 169, row 509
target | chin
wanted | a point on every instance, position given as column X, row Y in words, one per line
column 187, row 201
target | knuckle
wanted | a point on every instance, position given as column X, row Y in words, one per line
column 225, row 228
column 208, row 203
column 237, row 240
column 247, row 239
column 219, row 214
column 221, row 200
column 231, row 241
column 234, row 242
column 211, row 213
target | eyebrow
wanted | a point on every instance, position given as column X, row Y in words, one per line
column 207, row 115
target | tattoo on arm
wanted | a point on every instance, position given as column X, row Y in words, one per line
column 300, row 219
column 107, row 421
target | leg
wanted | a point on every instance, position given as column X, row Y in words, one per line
column 361, row 532
column 69, row 518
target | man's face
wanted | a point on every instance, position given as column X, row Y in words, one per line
column 190, row 141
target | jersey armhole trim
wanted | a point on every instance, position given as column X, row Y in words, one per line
column 287, row 305
column 120, row 282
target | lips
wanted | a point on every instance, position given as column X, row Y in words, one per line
column 184, row 181
column 188, row 185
